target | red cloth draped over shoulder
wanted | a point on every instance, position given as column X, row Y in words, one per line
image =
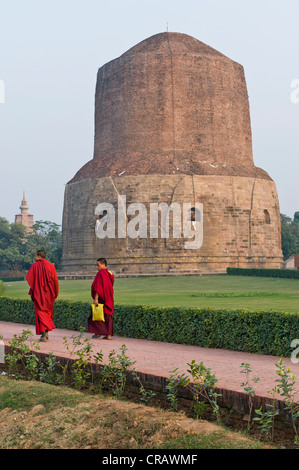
column 103, row 285
column 42, row 279
column 44, row 288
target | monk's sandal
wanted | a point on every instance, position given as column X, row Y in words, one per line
column 44, row 336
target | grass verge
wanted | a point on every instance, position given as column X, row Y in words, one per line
column 225, row 292
column 36, row 415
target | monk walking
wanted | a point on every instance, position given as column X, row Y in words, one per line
column 44, row 288
column 102, row 293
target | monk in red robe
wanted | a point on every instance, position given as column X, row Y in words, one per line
column 44, row 288
column 102, row 293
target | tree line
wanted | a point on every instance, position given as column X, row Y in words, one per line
column 289, row 235
column 18, row 245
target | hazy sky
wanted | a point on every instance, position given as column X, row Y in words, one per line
column 50, row 51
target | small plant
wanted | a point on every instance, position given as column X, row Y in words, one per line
column 146, row 395
column 50, row 370
column 80, row 371
column 285, row 388
column 114, row 373
column 21, row 357
column 265, row 419
column 98, row 358
column 204, row 384
column 80, row 367
column 200, row 407
column 123, row 365
column 248, row 388
column 173, row 382
column 109, row 372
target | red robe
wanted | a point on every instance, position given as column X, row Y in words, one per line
column 103, row 286
column 44, row 288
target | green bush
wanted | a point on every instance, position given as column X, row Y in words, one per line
column 283, row 273
column 1, row 287
column 69, row 315
column 237, row 330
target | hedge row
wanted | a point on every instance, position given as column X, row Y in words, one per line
column 12, row 279
column 239, row 330
column 284, row 273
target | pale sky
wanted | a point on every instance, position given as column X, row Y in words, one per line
column 51, row 50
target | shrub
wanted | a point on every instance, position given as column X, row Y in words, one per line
column 283, row 273
column 260, row 332
column 12, row 279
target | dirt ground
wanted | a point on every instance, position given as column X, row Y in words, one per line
column 104, row 423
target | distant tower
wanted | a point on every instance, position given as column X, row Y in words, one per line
column 24, row 218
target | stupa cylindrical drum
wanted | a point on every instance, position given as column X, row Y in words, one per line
column 172, row 186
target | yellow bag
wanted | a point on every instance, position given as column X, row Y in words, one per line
column 97, row 312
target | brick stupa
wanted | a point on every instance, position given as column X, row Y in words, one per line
column 172, row 124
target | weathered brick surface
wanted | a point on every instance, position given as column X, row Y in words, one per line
column 172, row 124
column 171, row 105
column 235, row 230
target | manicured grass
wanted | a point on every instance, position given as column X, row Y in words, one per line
column 21, row 395
column 219, row 291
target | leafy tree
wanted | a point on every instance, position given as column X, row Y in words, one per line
column 48, row 237
column 289, row 235
column 5, row 237
column 13, row 254
column 18, row 246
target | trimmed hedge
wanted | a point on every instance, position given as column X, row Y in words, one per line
column 240, row 330
column 284, row 273
column 12, row 279
column 67, row 314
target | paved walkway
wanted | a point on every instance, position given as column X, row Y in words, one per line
column 158, row 359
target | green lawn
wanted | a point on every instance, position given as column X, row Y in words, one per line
column 231, row 292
